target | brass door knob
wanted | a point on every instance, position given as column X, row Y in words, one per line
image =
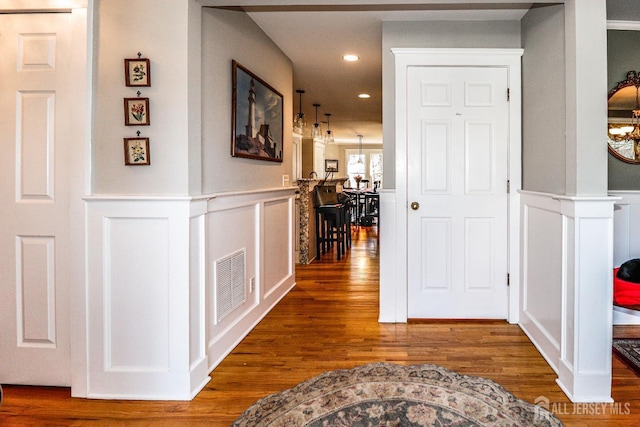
column 415, row 206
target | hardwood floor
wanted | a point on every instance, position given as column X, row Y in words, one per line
column 329, row 321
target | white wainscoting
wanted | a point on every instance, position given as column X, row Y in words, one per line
column 393, row 307
column 151, row 325
column 566, row 293
column 541, row 269
column 626, row 243
column 262, row 225
column 145, row 313
column 626, row 216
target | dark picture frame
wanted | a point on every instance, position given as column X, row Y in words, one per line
column 136, row 152
column 256, row 117
column 136, row 112
column 137, row 72
column 330, row 165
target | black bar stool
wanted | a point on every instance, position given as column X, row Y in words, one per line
column 332, row 226
column 372, row 206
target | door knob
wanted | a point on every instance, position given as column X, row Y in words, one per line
column 415, row 206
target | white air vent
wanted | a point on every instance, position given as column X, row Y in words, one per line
column 230, row 284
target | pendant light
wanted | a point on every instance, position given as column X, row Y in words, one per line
column 360, row 161
column 316, row 131
column 299, row 121
column 328, row 139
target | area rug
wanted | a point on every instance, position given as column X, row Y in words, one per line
column 629, row 351
column 385, row 394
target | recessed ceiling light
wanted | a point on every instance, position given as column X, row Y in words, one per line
column 350, row 58
column 364, row 96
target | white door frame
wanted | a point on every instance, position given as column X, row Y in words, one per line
column 409, row 57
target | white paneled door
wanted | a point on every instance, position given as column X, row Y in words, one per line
column 35, row 87
column 458, row 127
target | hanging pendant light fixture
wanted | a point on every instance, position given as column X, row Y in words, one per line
column 360, row 161
column 299, row 121
column 316, row 131
column 328, row 139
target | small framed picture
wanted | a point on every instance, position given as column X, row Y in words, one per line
column 136, row 151
column 330, row 165
column 136, row 112
column 137, row 72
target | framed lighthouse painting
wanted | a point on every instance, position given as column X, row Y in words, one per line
column 256, row 117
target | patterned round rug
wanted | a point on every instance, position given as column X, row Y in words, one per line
column 385, row 394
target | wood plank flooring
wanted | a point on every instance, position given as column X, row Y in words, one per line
column 329, row 321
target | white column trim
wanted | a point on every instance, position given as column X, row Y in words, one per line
column 585, row 359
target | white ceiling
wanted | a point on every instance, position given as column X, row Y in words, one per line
column 316, row 37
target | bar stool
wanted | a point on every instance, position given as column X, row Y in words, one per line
column 372, row 206
column 333, row 225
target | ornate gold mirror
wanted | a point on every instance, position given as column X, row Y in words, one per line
column 624, row 114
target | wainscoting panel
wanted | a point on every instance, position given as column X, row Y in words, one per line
column 541, row 284
column 260, row 224
column 151, row 314
column 393, row 307
column 136, row 293
column 566, row 291
column 626, row 243
column 278, row 240
column 145, row 312
column 197, row 282
column 626, row 226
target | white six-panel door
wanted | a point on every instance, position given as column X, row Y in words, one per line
column 458, row 130
column 35, row 83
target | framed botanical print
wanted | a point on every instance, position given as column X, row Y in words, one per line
column 137, row 72
column 136, row 112
column 136, row 151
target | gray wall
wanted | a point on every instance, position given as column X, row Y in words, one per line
column 431, row 34
column 228, row 35
column 623, row 55
column 623, row 10
column 543, row 100
column 169, row 96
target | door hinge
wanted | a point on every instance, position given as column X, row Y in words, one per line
column 508, row 186
column 508, row 279
column 508, row 94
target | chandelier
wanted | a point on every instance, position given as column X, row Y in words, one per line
column 626, row 132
